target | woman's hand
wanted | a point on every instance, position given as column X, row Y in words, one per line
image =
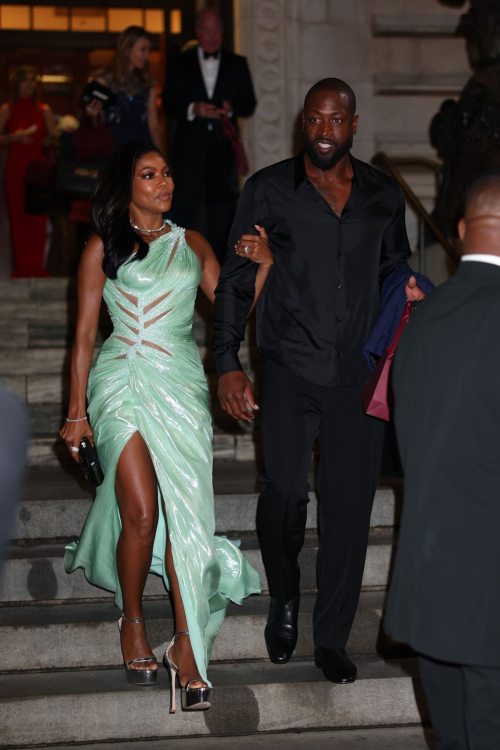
column 72, row 434
column 94, row 107
column 255, row 247
column 23, row 136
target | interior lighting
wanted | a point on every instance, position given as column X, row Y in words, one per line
column 176, row 21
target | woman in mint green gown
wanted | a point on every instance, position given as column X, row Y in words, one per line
column 149, row 410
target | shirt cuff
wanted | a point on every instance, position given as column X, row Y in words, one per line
column 227, row 362
column 190, row 114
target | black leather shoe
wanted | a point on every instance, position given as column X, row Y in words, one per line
column 336, row 665
column 281, row 630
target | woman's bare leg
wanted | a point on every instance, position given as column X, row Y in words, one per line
column 137, row 494
column 181, row 652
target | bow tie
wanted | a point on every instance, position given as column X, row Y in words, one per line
column 208, row 55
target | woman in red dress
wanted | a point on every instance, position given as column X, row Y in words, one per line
column 24, row 125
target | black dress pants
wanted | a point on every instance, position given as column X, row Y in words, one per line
column 464, row 704
column 294, row 413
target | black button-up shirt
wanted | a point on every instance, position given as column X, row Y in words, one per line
column 321, row 299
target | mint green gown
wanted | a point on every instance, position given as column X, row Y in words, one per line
column 162, row 393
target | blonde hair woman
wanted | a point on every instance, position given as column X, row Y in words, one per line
column 133, row 116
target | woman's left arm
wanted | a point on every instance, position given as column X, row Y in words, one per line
column 255, row 247
column 258, row 252
column 154, row 125
column 210, row 266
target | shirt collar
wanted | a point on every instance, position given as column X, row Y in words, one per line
column 301, row 176
column 482, row 258
column 201, row 55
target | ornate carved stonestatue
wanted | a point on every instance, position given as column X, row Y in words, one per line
column 467, row 133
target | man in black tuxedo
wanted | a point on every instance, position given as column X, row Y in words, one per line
column 336, row 229
column 445, row 592
column 203, row 85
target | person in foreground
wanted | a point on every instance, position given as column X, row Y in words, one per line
column 337, row 232
column 444, row 594
column 148, row 407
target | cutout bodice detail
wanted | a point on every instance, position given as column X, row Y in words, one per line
column 151, row 301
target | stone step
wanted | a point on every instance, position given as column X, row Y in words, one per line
column 86, row 635
column 54, row 389
column 41, row 317
column 42, row 335
column 237, row 445
column 415, row 24
column 57, row 360
column 373, row 738
column 16, row 290
column 48, row 417
column 99, row 706
column 46, row 519
column 419, row 84
column 37, row 574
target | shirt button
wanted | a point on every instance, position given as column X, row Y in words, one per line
column 339, row 320
column 339, row 254
column 117, row 119
column 339, row 286
column 339, row 355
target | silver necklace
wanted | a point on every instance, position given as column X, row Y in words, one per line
column 150, row 231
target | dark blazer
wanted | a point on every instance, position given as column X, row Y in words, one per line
column 445, row 593
column 184, row 84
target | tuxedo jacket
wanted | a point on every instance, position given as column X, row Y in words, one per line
column 184, row 84
column 445, row 592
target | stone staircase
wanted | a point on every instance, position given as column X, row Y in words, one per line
column 61, row 675
column 62, row 678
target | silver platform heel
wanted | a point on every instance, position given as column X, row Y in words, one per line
column 192, row 699
column 141, row 677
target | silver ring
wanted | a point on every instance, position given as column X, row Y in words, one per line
column 75, row 450
column 246, row 249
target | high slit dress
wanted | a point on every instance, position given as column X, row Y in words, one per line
column 148, row 378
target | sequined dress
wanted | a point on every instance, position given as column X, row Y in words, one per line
column 148, row 377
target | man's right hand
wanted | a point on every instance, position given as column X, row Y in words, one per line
column 233, row 388
column 209, row 111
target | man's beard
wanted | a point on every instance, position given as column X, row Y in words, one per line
column 326, row 161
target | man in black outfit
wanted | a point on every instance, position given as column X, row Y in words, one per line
column 203, row 85
column 444, row 599
column 336, row 230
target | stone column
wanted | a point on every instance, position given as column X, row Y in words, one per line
column 266, row 31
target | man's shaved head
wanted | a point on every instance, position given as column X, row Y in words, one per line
column 335, row 85
column 329, row 123
column 482, row 197
column 480, row 227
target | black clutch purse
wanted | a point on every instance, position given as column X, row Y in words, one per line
column 89, row 461
column 96, row 90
